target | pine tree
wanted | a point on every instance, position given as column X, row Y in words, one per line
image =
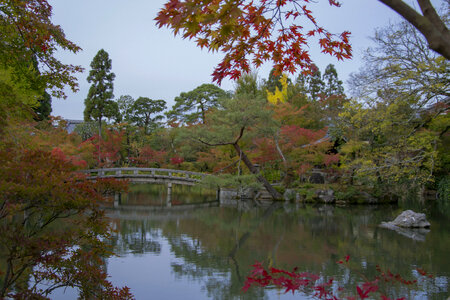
column 314, row 83
column 99, row 102
column 191, row 107
column 332, row 84
column 143, row 109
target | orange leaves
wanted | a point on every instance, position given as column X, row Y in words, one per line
column 254, row 31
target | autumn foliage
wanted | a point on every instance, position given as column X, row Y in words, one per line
column 321, row 288
column 253, row 32
column 53, row 230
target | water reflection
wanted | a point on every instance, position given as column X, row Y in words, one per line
column 211, row 249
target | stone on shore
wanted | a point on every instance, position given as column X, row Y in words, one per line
column 408, row 219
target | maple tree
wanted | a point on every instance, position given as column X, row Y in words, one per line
column 253, row 32
column 148, row 157
column 28, row 43
column 38, row 251
column 107, row 150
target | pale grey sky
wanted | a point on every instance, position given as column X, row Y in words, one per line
column 151, row 62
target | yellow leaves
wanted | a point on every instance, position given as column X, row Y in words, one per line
column 279, row 96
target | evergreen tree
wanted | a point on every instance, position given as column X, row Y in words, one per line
column 237, row 121
column 332, row 84
column 45, row 107
column 314, row 83
column 297, row 92
column 125, row 105
column 248, row 85
column 99, row 103
column 144, row 108
column 274, row 82
column 191, row 107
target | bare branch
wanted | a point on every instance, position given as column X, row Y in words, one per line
column 430, row 24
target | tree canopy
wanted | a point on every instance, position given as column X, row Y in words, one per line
column 191, row 107
column 99, row 101
column 143, row 109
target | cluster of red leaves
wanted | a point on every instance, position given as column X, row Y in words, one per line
column 294, row 135
column 148, row 157
column 291, row 281
column 304, row 168
column 265, row 151
column 74, row 160
column 330, row 159
column 176, row 160
column 387, row 276
column 295, row 281
column 253, row 32
column 107, row 149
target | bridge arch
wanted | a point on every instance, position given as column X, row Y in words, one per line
column 148, row 175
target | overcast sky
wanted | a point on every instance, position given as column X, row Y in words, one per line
column 151, row 62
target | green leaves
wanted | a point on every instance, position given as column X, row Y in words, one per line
column 99, row 101
column 142, row 110
column 192, row 107
column 28, row 36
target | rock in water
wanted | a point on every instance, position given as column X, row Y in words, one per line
column 408, row 219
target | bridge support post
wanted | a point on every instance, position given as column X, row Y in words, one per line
column 169, row 195
column 117, row 200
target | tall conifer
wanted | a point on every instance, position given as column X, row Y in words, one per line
column 99, row 102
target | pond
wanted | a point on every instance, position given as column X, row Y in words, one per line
column 197, row 248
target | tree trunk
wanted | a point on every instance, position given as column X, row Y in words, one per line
column 99, row 137
column 202, row 109
column 273, row 192
column 99, row 127
column 430, row 24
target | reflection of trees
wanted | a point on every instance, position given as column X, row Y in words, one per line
column 156, row 194
column 218, row 245
column 221, row 281
column 137, row 237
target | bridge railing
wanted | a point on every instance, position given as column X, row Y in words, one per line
column 144, row 172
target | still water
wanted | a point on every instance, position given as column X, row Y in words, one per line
column 193, row 247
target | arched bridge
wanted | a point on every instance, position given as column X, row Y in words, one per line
column 148, row 175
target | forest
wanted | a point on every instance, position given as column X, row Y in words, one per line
column 296, row 129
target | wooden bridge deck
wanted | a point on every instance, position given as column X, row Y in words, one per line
column 148, row 175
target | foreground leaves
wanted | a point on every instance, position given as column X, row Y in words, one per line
column 52, row 228
column 253, row 32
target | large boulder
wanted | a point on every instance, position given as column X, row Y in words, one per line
column 326, row 196
column 408, row 219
